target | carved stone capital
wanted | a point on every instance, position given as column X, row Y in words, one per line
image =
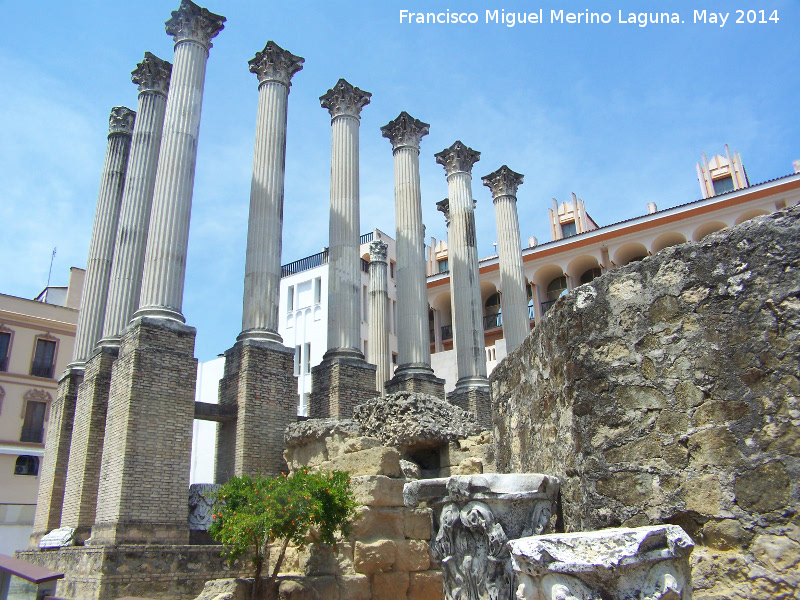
column 405, row 131
column 344, row 100
column 458, row 158
column 443, row 206
column 503, row 182
column 274, row 63
column 152, row 74
column 121, row 121
column 194, row 23
column 377, row 251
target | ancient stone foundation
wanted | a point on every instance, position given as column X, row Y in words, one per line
column 338, row 384
column 476, row 400
column 667, row 391
column 420, row 383
column 258, row 382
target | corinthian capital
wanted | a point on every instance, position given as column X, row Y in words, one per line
column 458, row 158
column 274, row 63
column 121, row 121
column 503, row 182
column 443, row 206
column 377, row 251
column 344, row 100
column 405, row 131
column 192, row 22
column 152, row 74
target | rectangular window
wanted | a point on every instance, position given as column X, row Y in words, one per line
column 318, row 290
column 391, row 269
column 297, row 351
column 394, row 313
column 394, row 358
column 33, row 425
column 569, row 229
column 723, row 185
column 307, row 358
column 364, row 303
column 43, row 358
column 290, row 298
column 5, row 342
column 304, row 294
column 443, row 266
column 389, row 315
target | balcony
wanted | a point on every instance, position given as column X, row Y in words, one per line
column 447, row 332
column 366, row 238
column 546, row 305
column 492, row 321
column 32, row 434
column 304, row 264
column 42, row 370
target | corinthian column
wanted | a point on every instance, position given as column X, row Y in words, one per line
column 152, row 76
column 343, row 378
column 192, row 28
column 516, row 326
column 472, row 386
column 274, row 68
column 414, row 372
column 344, row 103
column 378, row 295
column 104, row 231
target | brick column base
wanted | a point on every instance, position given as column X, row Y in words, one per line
column 338, row 384
column 414, row 381
column 477, row 401
column 53, row 474
column 144, row 477
column 86, row 452
column 259, row 382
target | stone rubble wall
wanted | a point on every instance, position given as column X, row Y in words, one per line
column 666, row 391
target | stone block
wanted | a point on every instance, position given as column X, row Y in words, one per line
column 412, row 555
column 377, row 490
column 418, row 523
column 390, row 586
column 374, row 557
column 372, row 461
column 468, row 466
column 354, row 587
column 425, row 585
column 326, row 587
column 229, row 589
column 378, row 523
column 290, row 589
column 763, row 489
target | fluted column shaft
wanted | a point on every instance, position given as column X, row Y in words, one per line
column 514, row 299
column 168, row 238
column 137, row 199
column 378, row 332
column 104, row 232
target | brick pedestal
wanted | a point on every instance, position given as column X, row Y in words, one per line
column 144, row 477
column 475, row 400
column 422, row 383
column 53, row 474
column 338, row 384
column 259, row 382
column 83, row 473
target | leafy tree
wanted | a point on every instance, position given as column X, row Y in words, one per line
column 250, row 513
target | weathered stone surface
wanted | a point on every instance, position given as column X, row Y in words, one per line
column 377, row 490
column 226, row 589
column 58, row 538
column 666, row 391
column 426, row 585
column 648, row 562
column 375, row 557
column 412, row 421
column 354, row 587
column 379, row 522
column 412, row 555
column 418, row 523
column 298, row 434
column 372, row 461
column 201, row 501
column 291, row 589
column 389, row 586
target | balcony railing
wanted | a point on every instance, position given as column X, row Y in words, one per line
column 447, row 332
column 367, row 237
column 546, row 305
column 304, row 264
column 31, row 434
column 492, row 321
column 42, row 370
column 4, row 364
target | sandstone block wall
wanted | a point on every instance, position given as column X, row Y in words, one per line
column 667, row 391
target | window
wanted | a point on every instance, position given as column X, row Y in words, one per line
column 5, row 342
column 364, row 304
column 307, row 358
column 318, row 290
column 568, row 229
column 394, row 358
column 389, row 315
column 391, row 269
column 590, row 274
column 557, row 288
column 443, row 268
column 394, row 314
column 723, row 185
column 366, row 355
column 297, row 355
column 33, row 425
column 290, row 298
column 43, row 358
column 27, row 465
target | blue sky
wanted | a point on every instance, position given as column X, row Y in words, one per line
column 616, row 113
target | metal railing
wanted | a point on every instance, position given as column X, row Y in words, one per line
column 304, row 264
column 42, row 370
column 367, row 237
column 492, row 321
column 447, row 332
column 546, row 305
column 31, row 434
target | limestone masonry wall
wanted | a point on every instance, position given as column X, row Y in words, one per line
column 667, row 391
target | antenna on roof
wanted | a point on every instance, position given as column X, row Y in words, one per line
column 52, row 258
